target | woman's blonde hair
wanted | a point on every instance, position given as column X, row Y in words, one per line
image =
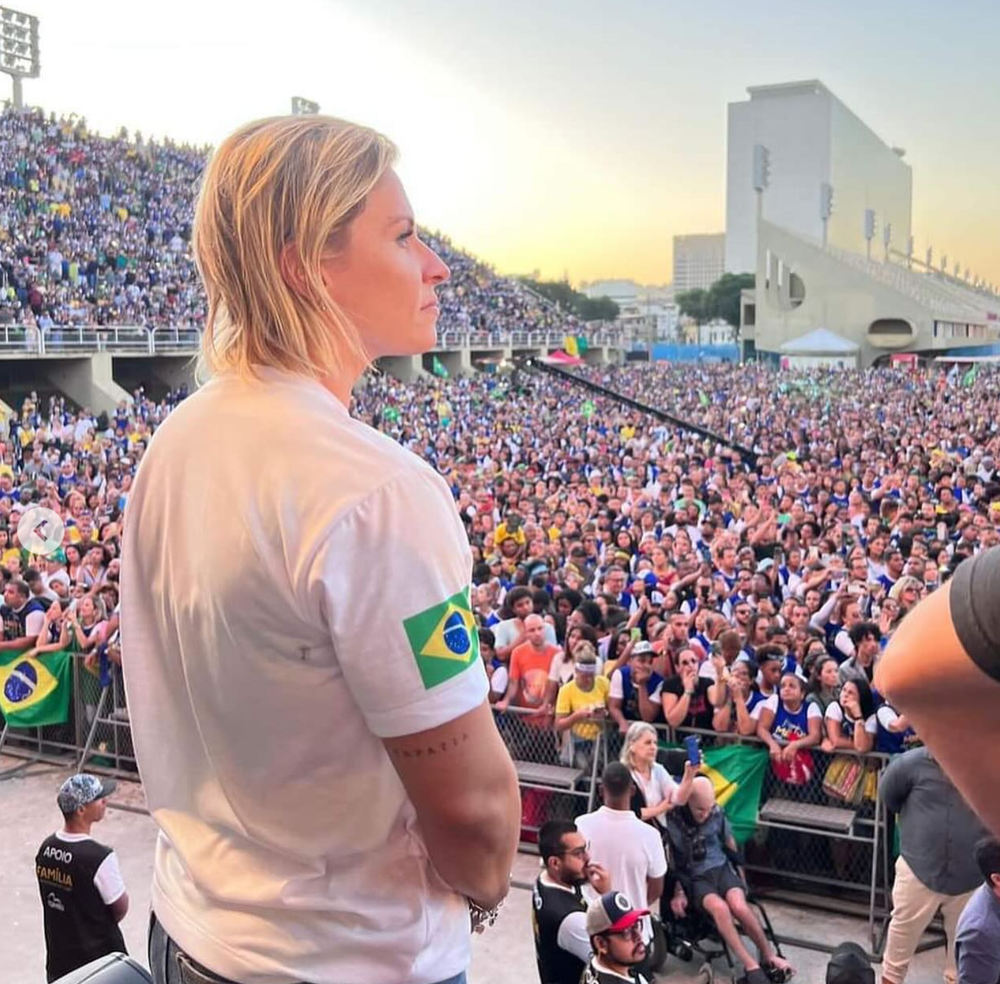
column 635, row 731
column 295, row 181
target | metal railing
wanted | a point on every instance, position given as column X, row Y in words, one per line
column 90, row 339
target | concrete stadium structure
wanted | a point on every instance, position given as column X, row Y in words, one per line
column 100, row 367
column 880, row 306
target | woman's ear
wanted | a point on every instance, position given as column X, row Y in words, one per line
column 292, row 270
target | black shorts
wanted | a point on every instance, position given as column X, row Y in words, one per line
column 716, row 881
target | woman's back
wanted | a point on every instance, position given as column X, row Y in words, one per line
column 304, row 608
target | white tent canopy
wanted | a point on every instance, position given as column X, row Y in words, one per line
column 820, row 341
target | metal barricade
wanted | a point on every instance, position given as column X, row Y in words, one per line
column 53, row 744
column 556, row 772
column 824, row 839
column 108, row 744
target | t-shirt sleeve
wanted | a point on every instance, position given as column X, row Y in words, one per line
column 656, row 857
column 813, row 711
column 409, row 654
column 33, row 623
column 572, row 936
column 108, row 880
column 498, row 682
column 617, row 689
column 871, row 724
column 834, row 713
column 564, row 702
column 975, row 609
column 555, row 666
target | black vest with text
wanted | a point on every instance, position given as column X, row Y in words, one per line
column 550, row 906
column 79, row 927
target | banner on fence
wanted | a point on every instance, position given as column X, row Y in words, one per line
column 35, row 690
column 737, row 773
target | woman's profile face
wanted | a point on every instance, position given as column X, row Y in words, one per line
column 383, row 278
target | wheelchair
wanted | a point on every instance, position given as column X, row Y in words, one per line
column 694, row 937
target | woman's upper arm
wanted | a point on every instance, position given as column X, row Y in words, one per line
column 409, row 655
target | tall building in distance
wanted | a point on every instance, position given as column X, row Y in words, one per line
column 813, row 140
column 698, row 261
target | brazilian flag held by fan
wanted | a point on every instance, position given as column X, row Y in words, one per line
column 737, row 774
column 35, row 690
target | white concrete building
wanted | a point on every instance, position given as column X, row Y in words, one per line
column 699, row 260
column 805, row 294
column 813, row 139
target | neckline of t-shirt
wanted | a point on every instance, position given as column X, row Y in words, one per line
column 69, row 838
column 276, row 375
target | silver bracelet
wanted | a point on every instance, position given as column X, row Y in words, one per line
column 480, row 916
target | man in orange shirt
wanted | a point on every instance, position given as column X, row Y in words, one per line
column 528, row 687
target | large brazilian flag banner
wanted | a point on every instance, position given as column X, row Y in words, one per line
column 35, row 690
column 737, row 773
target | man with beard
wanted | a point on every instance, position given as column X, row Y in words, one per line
column 615, row 930
column 562, row 892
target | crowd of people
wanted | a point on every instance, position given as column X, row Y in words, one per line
column 713, row 590
column 95, row 231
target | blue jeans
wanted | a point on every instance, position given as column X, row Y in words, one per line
column 166, row 968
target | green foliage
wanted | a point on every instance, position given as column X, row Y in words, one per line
column 721, row 300
column 585, row 308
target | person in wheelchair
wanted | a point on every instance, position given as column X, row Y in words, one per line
column 705, row 879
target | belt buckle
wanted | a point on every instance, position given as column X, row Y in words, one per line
column 191, row 973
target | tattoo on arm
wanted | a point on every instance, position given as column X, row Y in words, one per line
column 426, row 751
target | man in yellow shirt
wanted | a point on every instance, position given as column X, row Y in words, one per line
column 582, row 704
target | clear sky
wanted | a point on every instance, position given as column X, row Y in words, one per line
column 570, row 136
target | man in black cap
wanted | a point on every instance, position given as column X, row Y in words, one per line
column 83, row 895
column 849, row 964
column 615, row 931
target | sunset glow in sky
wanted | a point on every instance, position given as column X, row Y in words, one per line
column 568, row 136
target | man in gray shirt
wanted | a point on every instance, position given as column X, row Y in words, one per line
column 936, row 868
column 977, row 945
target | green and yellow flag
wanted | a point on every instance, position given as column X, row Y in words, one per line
column 737, row 773
column 35, row 690
column 439, row 368
column 443, row 639
column 970, row 377
column 570, row 346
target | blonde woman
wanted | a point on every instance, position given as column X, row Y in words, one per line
column 659, row 790
column 301, row 659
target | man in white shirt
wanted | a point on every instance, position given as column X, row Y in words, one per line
column 628, row 849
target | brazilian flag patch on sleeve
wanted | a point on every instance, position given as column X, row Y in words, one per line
column 443, row 639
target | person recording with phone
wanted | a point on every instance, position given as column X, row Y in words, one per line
column 582, row 704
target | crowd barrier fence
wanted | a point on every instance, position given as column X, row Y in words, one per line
column 824, row 842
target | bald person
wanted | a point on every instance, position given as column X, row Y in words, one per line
column 707, row 879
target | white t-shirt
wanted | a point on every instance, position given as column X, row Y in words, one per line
column 631, row 851
column 656, row 789
column 108, row 878
column 498, row 682
column 506, row 633
column 290, row 584
column 834, row 712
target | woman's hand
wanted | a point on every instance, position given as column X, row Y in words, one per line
column 788, row 752
column 827, row 745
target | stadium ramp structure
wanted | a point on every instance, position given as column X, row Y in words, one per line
column 881, row 305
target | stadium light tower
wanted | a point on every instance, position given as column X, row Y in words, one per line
column 18, row 49
column 869, row 230
column 304, row 107
column 887, row 239
column 761, row 174
column 825, row 206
